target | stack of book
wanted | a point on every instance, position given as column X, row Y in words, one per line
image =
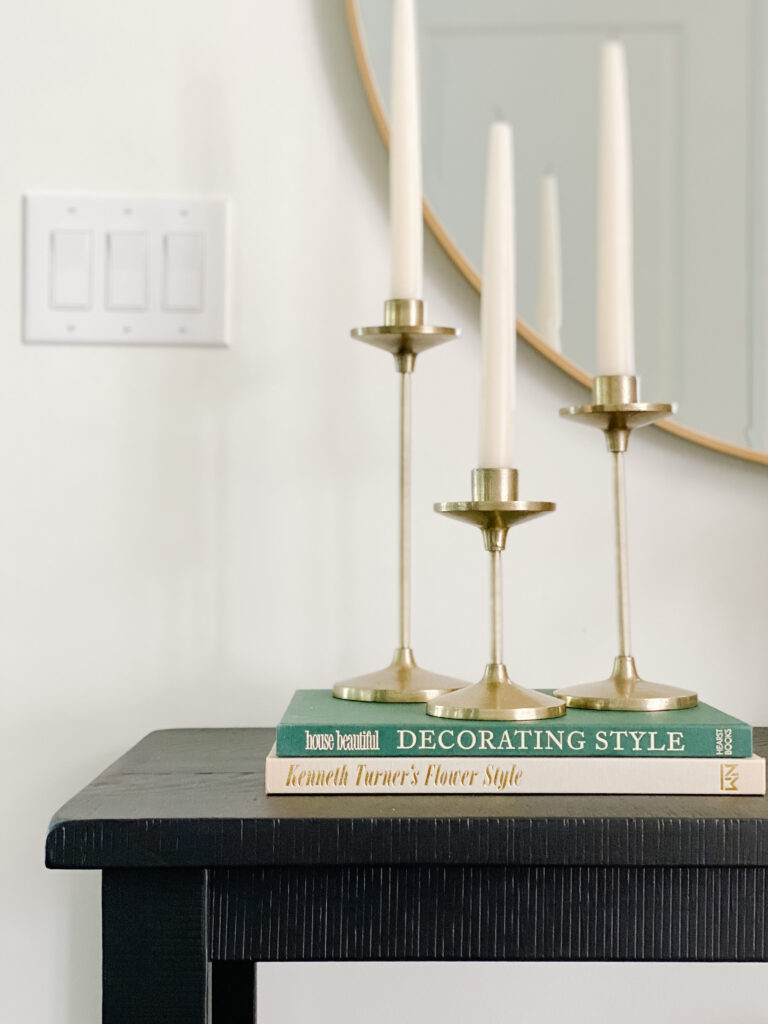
column 329, row 746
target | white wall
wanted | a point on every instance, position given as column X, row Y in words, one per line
column 186, row 536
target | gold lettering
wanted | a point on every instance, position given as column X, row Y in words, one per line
column 729, row 778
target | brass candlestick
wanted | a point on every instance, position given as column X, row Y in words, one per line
column 405, row 335
column 616, row 410
column 495, row 508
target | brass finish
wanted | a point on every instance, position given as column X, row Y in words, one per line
column 401, row 682
column 404, row 334
column 616, row 410
column 495, row 508
column 526, row 332
column 494, row 485
column 404, row 312
column 624, row 690
column 496, row 699
column 495, row 519
column 618, row 389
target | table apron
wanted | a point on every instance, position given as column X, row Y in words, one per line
column 487, row 912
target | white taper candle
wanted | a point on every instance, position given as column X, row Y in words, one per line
column 406, row 232
column 497, row 305
column 549, row 308
column 615, row 301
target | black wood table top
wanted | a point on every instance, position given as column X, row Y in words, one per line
column 195, row 798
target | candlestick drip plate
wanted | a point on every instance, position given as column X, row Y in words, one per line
column 618, row 417
column 404, row 333
column 397, row 340
column 616, row 411
column 401, row 682
column 624, row 690
column 496, row 699
column 494, row 517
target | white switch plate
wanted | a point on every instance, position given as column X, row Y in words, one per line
column 127, row 237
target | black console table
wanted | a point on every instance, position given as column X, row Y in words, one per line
column 204, row 876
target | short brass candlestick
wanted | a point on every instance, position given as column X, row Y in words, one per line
column 616, row 410
column 495, row 508
column 405, row 335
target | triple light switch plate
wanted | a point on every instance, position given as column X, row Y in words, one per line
column 125, row 269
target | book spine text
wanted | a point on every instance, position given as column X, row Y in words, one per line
column 504, row 776
column 519, row 740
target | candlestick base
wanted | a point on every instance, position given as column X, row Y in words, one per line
column 624, row 690
column 401, row 682
column 496, row 699
column 616, row 409
column 404, row 333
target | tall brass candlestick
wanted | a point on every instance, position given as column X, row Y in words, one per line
column 616, row 410
column 495, row 508
column 404, row 334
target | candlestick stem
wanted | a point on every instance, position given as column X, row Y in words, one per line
column 405, row 509
column 622, row 554
column 497, row 610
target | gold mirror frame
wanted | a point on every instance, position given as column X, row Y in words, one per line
column 455, row 254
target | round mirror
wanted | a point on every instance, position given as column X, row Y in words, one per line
column 698, row 81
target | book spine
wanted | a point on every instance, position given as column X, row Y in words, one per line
column 509, row 776
column 516, row 740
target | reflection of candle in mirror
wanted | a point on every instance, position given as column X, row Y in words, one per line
column 497, row 305
column 549, row 308
column 406, row 241
column 615, row 304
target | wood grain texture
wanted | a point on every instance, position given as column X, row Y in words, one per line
column 155, row 945
column 205, row 875
column 489, row 912
column 195, row 798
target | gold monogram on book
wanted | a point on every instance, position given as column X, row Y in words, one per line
column 729, row 777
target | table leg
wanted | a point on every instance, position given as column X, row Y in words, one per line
column 155, row 946
column 234, row 992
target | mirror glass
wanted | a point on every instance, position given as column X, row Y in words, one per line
column 698, row 80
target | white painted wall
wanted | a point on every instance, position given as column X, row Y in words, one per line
column 187, row 536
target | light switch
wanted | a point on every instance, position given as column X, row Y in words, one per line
column 71, row 270
column 127, row 270
column 183, row 277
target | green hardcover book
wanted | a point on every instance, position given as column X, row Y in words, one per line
column 317, row 724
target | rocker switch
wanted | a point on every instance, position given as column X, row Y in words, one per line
column 70, row 270
column 183, row 277
column 127, row 270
